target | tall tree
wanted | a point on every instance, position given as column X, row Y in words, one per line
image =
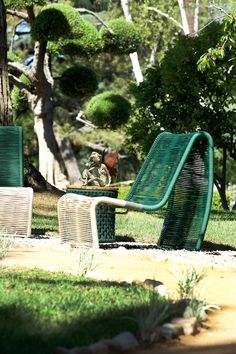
column 176, row 96
column 56, row 28
column 5, row 104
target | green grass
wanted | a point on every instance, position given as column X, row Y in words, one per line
column 41, row 310
column 135, row 226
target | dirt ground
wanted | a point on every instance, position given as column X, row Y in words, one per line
column 218, row 287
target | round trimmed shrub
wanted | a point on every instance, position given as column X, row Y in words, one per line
column 56, row 21
column 125, row 40
column 87, row 43
column 108, row 110
column 78, row 81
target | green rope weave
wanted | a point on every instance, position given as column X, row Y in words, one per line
column 11, row 156
column 178, row 174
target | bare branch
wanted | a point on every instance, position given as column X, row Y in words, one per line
column 82, row 10
column 13, row 35
column 221, row 9
column 22, row 69
column 21, row 85
column 165, row 15
column 19, row 14
column 209, row 23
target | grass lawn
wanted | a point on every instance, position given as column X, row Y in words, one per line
column 41, row 310
column 221, row 231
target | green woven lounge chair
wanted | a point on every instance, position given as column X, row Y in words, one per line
column 15, row 200
column 177, row 174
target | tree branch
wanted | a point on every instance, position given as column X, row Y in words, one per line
column 222, row 10
column 22, row 69
column 19, row 14
column 13, row 34
column 31, row 15
column 18, row 83
column 82, row 10
column 165, row 15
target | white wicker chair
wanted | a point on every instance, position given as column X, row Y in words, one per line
column 16, row 210
column 77, row 217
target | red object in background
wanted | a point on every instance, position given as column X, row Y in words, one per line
column 110, row 159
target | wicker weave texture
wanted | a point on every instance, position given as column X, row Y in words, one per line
column 178, row 172
column 74, row 220
column 11, row 156
column 16, row 210
column 105, row 214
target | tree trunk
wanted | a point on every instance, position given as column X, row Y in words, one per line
column 48, row 152
column 6, row 117
column 69, row 160
column 133, row 56
column 220, row 181
column 189, row 11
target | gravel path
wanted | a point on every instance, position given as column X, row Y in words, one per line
column 217, row 258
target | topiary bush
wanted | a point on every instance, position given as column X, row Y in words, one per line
column 87, row 43
column 125, row 40
column 108, row 110
column 78, row 81
column 54, row 21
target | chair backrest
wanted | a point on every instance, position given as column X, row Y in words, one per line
column 178, row 173
column 11, row 156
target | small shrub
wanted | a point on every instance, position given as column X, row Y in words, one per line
column 125, row 40
column 78, row 81
column 6, row 241
column 108, row 110
column 199, row 308
column 151, row 316
column 83, row 261
column 187, row 281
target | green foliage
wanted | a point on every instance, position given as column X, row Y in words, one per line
column 224, row 48
column 175, row 96
column 20, row 4
column 78, row 81
column 216, row 201
column 83, row 38
column 18, row 99
column 187, row 281
column 126, row 38
column 108, row 110
column 93, row 5
column 54, row 21
column 53, row 309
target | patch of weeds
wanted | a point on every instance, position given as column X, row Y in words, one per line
column 151, row 316
column 83, row 261
column 6, row 241
column 187, row 281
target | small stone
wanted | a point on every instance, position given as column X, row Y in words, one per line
column 99, row 348
column 80, row 350
column 152, row 283
column 189, row 325
column 161, row 290
column 61, row 350
column 126, row 341
column 170, row 331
